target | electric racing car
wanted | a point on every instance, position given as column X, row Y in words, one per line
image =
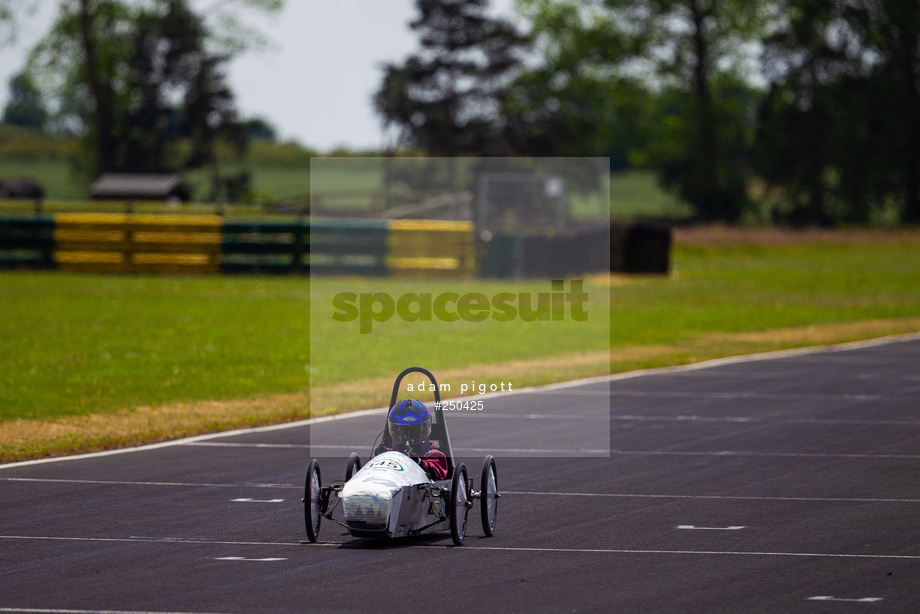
column 392, row 496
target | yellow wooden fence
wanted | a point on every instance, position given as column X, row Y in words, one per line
column 430, row 248
column 137, row 243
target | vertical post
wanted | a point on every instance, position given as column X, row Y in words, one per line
column 561, row 210
column 297, row 247
column 481, row 199
column 127, row 255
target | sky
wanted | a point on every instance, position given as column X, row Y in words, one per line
column 315, row 81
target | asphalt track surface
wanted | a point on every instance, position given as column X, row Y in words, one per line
column 787, row 483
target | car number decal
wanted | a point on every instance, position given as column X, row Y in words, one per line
column 385, row 463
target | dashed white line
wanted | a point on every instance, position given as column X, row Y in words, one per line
column 63, row 611
column 587, row 415
column 667, row 394
column 704, row 552
column 862, row 600
column 139, row 483
column 504, row 492
column 471, row 548
column 713, row 497
column 603, row 452
column 751, row 454
column 548, row 452
column 542, row 452
column 243, row 558
column 765, row 420
column 246, row 444
column 691, row 527
column 146, row 540
column 247, row 500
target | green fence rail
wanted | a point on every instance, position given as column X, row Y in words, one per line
column 263, row 246
column 181, row 243
column 348, row 247
column 27, row 242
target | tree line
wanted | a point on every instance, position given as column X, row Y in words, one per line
column 143, row 83
column 796, row 111
column 809, row 106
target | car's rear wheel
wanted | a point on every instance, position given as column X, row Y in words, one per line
column 488, row 495
column 459, row 496
column 354, row 465
column 311, row 500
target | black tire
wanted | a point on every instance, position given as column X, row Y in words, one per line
column 354, row 465
column 311, row 500
column 459, row 495
column 488, row 495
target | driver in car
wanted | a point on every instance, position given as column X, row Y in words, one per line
column 409, row 428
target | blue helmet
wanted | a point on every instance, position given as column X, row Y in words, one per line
column 409, row 426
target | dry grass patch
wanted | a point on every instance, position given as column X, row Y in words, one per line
column 818, row 334
column 25, row 439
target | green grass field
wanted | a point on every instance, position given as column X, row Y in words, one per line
column 76, row 344
column 55, row 176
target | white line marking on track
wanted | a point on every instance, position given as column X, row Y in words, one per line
column 684, row 418
column 504, row 492
column 258, row 500
column 731, row 396
column 796, row 352
column 746, row 453
column 129, row 483
column 762, row 420
column 774, row 374
column 863, row 600
column 61, row 611
column 246, row 444
column 535, row 451
column 701, row 552
column 589, row 452
column 243, row 558
column 543, row 452
column 714, row 497
column 471, row 548
column 147, row 540
column 574, row 393
column 635, row 418
column 691, row 527
column 587, row 415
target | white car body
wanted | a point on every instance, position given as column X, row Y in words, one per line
column 390, row 497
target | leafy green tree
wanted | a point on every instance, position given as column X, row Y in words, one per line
column 578, row 101
column 25, row 108
column 446, row 98
column 259, row 128
column 691, row 55
column 137, row 77
column 840, row 128
column 210, row 117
